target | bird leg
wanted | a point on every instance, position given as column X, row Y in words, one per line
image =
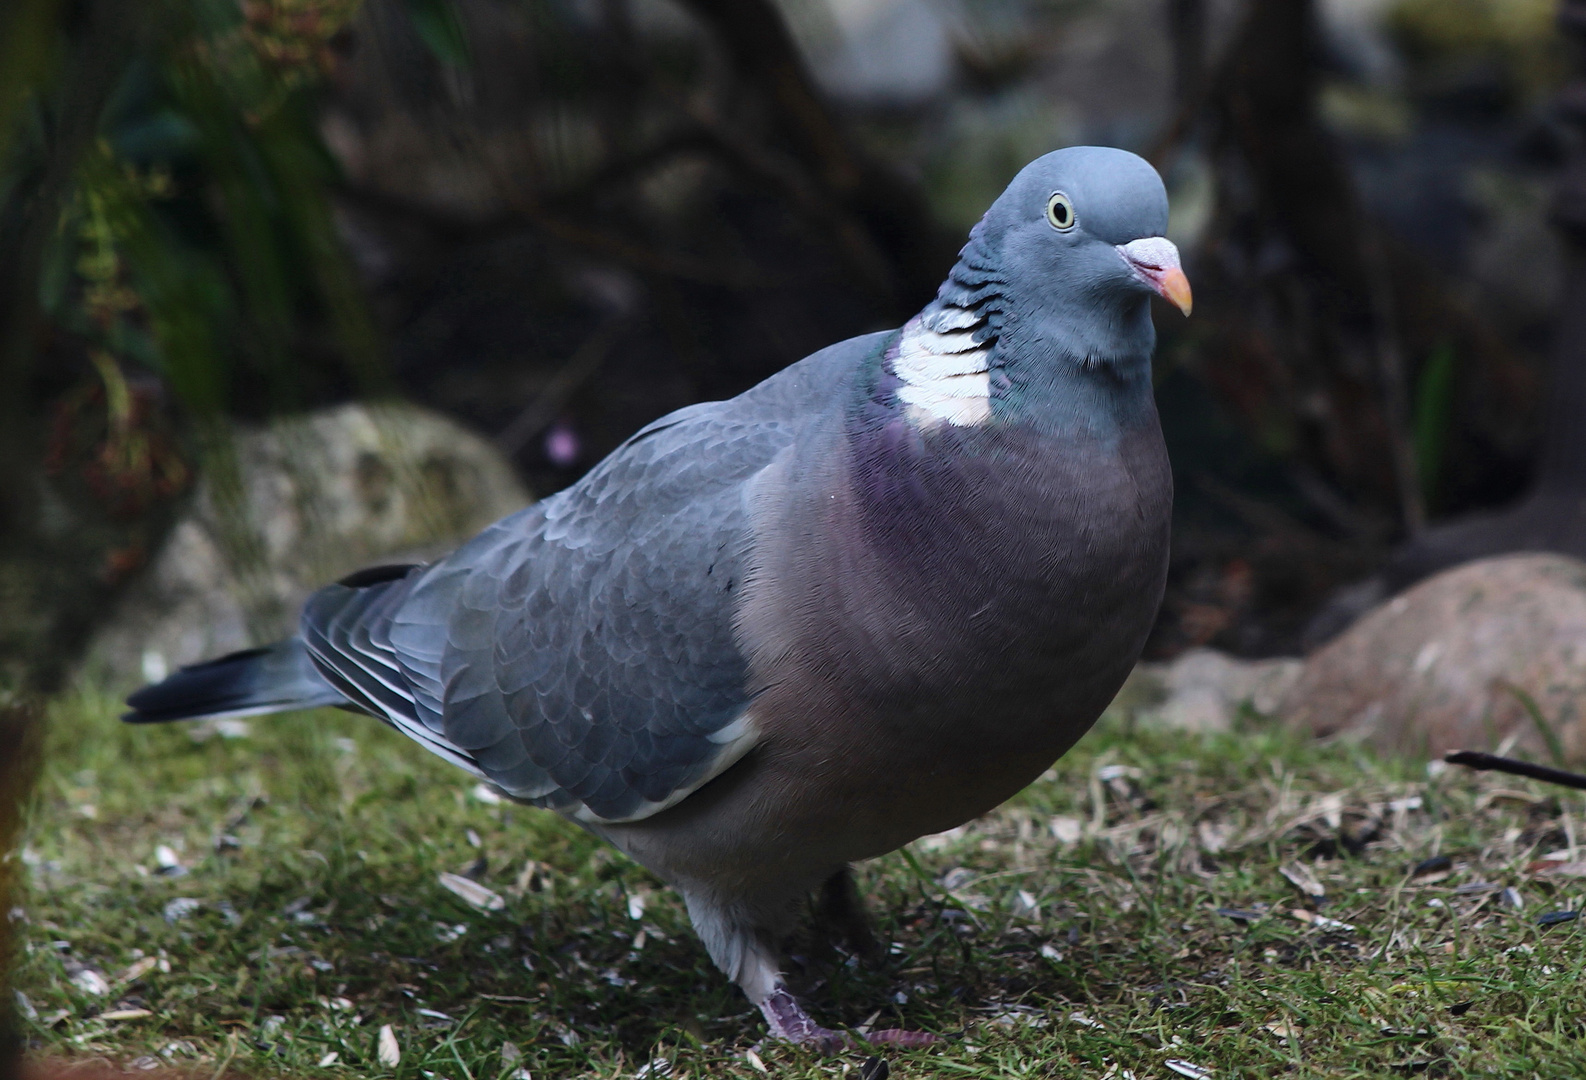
column 788, row 1020
column 738, row 934
column 840, row 910
column 840, row 914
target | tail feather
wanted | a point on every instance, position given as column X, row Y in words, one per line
column 276, row 678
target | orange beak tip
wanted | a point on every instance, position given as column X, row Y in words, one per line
column 1175, row 289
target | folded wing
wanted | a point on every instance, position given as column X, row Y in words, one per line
column 580, row 654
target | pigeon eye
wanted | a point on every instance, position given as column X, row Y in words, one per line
column 1060, row 211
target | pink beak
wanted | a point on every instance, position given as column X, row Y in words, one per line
column 1154, row 260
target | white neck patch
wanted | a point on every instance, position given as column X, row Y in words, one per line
column 944, row 371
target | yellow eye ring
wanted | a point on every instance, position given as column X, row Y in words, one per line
column 1060, row 212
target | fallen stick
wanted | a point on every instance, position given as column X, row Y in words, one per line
column 1475, row 759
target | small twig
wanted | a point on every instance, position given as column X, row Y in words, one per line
column 1259, row 515
column 1326, row 501
column 1476, row 759
column 856, row 247
column 466, row 229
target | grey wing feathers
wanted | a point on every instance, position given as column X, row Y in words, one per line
column 345, row 629
column 580, row 654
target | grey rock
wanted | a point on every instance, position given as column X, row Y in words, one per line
column 1204, row 690
column 1457, row 662
column 314, row 498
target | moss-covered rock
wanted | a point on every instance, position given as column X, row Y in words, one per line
column 290, row 507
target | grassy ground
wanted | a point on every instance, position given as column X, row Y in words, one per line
column 1128, row 914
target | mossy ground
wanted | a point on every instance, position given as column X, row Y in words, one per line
column 1076, row 932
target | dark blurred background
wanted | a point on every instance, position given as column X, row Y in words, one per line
column 554, row 220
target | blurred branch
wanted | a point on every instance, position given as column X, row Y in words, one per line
column 462, row 228
column 764, row 54
column 761, row 164
column 554, row 396
column 884, row 227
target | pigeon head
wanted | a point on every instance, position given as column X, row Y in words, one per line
column 1083, row 228
column 1061, row 268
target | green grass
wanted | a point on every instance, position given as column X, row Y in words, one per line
column 321, row 919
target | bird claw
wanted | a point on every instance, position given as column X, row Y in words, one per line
column 789, row 1021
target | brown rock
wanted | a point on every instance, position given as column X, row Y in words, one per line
column 1451, row 664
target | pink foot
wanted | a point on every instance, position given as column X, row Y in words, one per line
column 789, row 1021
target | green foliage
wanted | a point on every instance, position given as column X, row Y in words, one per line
column 25, row 57
column 197, row 240
column 171, row 261
column 1076, row 931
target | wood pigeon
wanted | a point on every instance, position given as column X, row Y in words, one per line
column 866, row 600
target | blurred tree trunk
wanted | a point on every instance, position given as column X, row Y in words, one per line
column 1318, row 355
column 1187, row 30
column 20, row 730
column 98, row 36
column 1310, row 320
column 1561, row 472
column 48, row 565
column 878, row 219
column 1558, row 503
column 1553, row 516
